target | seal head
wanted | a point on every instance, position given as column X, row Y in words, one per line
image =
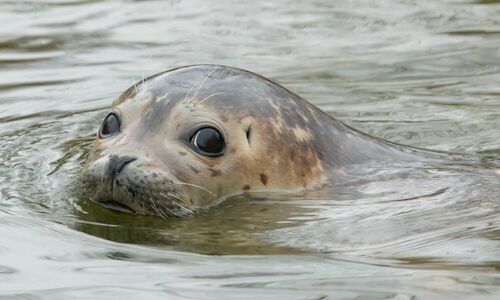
column 192, row 136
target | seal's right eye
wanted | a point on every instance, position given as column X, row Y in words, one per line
column 110, row 126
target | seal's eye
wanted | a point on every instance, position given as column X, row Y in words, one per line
column 208, row 141
column 110, row 126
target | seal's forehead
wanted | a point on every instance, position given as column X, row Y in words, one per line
column 198, row 81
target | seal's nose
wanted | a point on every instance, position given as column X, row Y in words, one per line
column 116, row 164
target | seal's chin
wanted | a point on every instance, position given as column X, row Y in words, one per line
column 114, row 205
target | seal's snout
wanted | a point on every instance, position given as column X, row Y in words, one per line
column 116, row 164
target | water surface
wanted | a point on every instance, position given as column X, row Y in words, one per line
column 421, row 73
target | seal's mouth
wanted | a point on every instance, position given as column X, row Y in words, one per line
column 117, row 206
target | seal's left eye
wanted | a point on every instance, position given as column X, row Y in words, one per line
column 110, row 126
column 209, row 142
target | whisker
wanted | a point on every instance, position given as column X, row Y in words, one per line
column 194, row 185
column 163, row 213
column 159, row 211
column 180, row 208
column 202, row 83
column 172, row 195
column 187, row 95
column 213, row 95
column 155, row 208
column 135, row 86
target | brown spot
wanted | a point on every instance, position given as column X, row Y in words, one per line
column 194, row 169
column 178, row 125
column 215, row 172
column 223, row 118
column 246, row 187
column 182, row 153
column 263, row 178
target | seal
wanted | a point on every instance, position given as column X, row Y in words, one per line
column 190, row 137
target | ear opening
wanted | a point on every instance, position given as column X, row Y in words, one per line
column 249, row 134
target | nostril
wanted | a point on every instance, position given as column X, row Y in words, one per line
column 117, row 163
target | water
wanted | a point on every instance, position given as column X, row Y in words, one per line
column 422, row 73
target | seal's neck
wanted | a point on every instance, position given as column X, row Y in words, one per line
column 345, row 146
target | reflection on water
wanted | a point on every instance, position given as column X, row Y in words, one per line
column 232, row 227
column 421, row 73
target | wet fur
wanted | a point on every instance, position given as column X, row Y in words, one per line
column 289, row 145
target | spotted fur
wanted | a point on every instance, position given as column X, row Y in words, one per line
column 275, row 140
